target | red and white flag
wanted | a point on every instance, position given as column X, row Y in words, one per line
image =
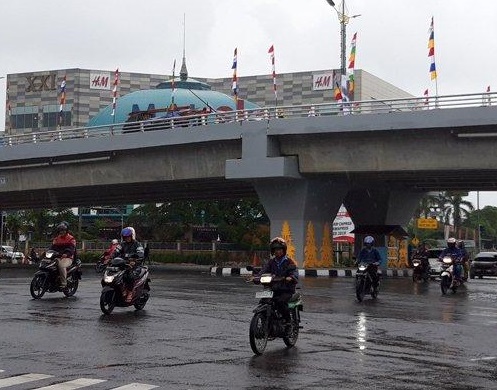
column 271, row 53
column 114, row 91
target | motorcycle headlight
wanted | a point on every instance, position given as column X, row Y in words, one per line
column 362, row 267
column 108, row 278
column 447, row 260
column 266, row 279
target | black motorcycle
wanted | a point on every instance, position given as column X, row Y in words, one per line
column 267, row 323
column 114, row 286
column 419, row 271
column 364, row 283
column 47, row 277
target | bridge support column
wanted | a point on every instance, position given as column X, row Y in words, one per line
column 301, row 211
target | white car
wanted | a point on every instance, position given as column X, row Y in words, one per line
column 435, row 264
column 7, row 252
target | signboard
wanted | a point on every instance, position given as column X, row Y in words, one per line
column 427, row 223
column 100, row 80
column 343, row 226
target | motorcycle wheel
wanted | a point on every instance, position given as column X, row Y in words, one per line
column 416, row 277
column 258, row 333
column 142, row 301
column 107, row 302
column 37, row 287
column 360, row 289
column 375, row 290
column 291, row 338
column 444, row 284
column 72, row 286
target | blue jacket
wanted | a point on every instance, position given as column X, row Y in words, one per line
column 283, row 266
column 369, row 256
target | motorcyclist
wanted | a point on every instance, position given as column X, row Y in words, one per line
column 108, row 253
column 283, row 266
column 132, row 250
column 465, row 259
column 455, row 253
column 422, row 254
column 65, row 244
column 370, row 255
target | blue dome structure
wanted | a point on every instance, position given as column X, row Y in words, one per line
column 188, row 92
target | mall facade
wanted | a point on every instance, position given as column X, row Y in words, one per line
column 34, row 98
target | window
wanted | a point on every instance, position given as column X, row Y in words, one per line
column 24, row 117
column 52, row 117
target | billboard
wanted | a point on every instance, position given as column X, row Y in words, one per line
column 343, row 226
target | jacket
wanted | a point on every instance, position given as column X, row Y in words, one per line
column 65, row 244
column 283, row 267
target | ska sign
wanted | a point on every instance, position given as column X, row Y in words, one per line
column 41, row 83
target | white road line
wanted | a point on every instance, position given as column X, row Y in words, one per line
column 75, row 384
column 135, row 386
column 19, row 379
column 483, row 358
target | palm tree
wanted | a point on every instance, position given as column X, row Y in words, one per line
column 457, row 209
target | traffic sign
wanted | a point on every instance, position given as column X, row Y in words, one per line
column 427, row 223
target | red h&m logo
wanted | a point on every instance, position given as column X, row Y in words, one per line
column 100, row 80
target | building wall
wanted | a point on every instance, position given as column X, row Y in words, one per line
column 36, row 95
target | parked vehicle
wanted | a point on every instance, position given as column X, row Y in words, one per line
column 419, row 273
column 47, row 277
column 267, row 323
column 484, row 264
column 435, row 263
column 7, row 253
column 114, row 286
column 364, row 283
column 447, row 280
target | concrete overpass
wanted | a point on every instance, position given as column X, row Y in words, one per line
column 378, row 158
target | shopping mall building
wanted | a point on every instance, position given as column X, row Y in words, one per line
column 34, row 98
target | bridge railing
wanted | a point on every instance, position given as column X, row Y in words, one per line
column 334, row 108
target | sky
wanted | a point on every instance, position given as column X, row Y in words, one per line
column 147, row 36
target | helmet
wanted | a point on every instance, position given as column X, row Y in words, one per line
column 368, row 240
column 61, row 227
column 127, row 232
column 115, row 241
column 460, row 243
column 277, row 243
column 451, row 242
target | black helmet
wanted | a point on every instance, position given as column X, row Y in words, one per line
column 61, row 227
column 277, row 243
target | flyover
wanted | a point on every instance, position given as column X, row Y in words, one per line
column 377, row 157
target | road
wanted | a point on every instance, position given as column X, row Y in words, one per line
column 193, row 334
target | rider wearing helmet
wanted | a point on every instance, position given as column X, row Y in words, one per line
column 422, row 254
column 370, row 255
column 281, row 265
column 109, row 252
column 132, row 250
column 455, row 253
column 65, row 244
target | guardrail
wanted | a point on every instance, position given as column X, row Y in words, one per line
column 372, row 106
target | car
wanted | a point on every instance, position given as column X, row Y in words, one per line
column 484, row 264
column 7, row 252
column 435, row 264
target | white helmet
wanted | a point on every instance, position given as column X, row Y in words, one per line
column 369, row 240
column 115, row 241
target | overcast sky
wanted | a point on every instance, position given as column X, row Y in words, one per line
column 146, row 36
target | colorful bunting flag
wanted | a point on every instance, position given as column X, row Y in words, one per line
column 62, row 99
column 352, row 65
column 235, row 80
column 114, row 91
column 173, row 86
column 9, row 109
column 431, row 51
column 271, row 53
column 338, row 92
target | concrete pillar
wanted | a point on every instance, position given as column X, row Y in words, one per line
column 302, row 212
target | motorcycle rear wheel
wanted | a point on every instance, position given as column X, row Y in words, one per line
column 291, row 338
column 107, row 302
column 72, row 286
column 444, row 284
column 37, row 287
column 258, row 333
column 360, row 289
column 141, row 301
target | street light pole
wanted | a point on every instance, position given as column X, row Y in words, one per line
column 344, row 20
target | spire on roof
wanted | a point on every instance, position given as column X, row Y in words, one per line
column 183, row 73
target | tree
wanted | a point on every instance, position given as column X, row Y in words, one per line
column 457, row 209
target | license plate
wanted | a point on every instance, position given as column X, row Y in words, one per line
column 264, row 294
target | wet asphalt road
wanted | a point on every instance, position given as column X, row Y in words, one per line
column 193, row 334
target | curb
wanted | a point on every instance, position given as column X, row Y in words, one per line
column 327, row 273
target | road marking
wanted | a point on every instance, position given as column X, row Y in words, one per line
column 135, row 386
column 19, row 379
column 485, row 358
column 75, row 384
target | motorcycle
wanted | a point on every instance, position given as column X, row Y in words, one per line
column 47, row 277
column 102, row 263
column 364, row 282
column 267, row 323
column 447, row 280
column 114, row 286
column 419, row 273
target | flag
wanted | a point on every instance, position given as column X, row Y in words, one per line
column 338, row 92
column 235, row 80
column 271, row 53
column 173, row 86
column 9, row 109
column 431, row 51
column 488, row 88
column 352, row 52
column 426, row 97
column 352, row 65
column 114, row 91
column 62, row 99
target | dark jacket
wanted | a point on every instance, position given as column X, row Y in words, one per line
column 369, row 256
column 131, row 249
column 284, row 267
